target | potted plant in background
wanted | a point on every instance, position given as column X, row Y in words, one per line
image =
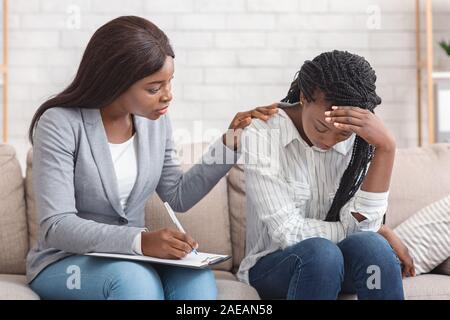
column 444, row 57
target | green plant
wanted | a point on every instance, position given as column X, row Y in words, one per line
column 446, row 46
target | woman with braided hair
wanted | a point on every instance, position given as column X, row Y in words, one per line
column 315, row 211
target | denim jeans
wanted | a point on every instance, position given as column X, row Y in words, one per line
column 363, row 263
column 102, row 278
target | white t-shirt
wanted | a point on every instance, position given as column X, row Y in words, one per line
column 125, row 165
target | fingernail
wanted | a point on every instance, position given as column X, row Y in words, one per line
column 336, row 124
column 334, row 107
column 328, row 113
column 328, row 119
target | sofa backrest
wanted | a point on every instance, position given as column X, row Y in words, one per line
column 33, row 225
column 207, row 222
column 13, row 223
column 237, row 205
column 420, row 176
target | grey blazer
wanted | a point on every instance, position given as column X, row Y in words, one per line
column 76, row 190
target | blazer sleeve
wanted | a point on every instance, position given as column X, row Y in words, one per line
column 183, row 190
column 53, row 181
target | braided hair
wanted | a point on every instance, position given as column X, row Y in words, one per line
column 346, row 80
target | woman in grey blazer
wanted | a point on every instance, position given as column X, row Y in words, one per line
column 122, row 90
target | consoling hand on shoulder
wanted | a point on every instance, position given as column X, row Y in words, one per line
column 244, row 119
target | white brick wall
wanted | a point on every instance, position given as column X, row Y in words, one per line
column 231, row 54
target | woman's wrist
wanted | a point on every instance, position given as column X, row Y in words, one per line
column 388, row 146
column 382, row 230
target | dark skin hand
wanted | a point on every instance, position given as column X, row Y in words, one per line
column 401, row 250
column 167, row 243
column 242, row 119
column 369, row 127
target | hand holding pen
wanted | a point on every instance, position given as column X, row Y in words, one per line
column 176, row 222
column 167, row 243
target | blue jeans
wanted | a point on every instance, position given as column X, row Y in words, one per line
column 102, row 278
column 363, row 263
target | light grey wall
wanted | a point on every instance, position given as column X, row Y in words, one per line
column 231, row 54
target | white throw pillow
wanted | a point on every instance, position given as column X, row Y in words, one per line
column 427, row 235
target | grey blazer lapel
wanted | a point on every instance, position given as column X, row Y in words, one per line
column 98, row 141
column 143, row 157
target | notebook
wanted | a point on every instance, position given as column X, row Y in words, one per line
column 192, row 260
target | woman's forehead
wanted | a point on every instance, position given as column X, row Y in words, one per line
column 320, row 106
column 166, row 71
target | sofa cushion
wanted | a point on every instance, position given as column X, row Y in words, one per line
column 230, row 288
column 427, row 236
column 225, row 275
column 423, row 287
column 443, row 268
column 207, row 222
column 15, row 287
column 13, row 224
column 418, row 180
column 427, row 287
column 235, row 290
column 33, row 226
column 237, row 205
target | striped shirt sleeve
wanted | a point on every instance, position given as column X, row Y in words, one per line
column 372, row 205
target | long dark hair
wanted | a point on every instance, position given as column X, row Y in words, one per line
column 121, row 52
column 346, row 80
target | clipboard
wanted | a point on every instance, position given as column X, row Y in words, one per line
column 197, row 261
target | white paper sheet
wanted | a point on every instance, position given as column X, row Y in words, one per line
column 192, row 260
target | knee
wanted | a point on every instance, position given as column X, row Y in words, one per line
column 321, row 254
column 372, row 264
column 194, row 284
column 370, row 247
column 130, row 280
column 207, row 288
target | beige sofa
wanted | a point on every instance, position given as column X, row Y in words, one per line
column 421, row 175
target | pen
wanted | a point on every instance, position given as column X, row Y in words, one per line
column 175, row 220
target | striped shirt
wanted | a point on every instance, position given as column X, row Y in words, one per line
column 290, row 187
